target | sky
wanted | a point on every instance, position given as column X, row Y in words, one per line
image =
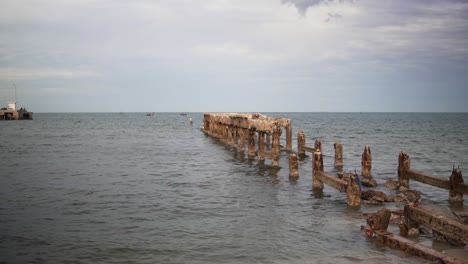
column 234, row 56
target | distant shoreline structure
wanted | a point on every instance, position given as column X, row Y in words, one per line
column 10, row 113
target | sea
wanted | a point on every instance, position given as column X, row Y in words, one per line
column 132, row 188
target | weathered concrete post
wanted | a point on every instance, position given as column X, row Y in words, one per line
column 318, row 145
column 242, row 139
column 289, row 137
column 353, row 191
column 455, row 196
column 301, row 140
column 293, row 166
column 235, row 137
column 206, row 123
column 251, row 140
column 317, row 166
column 275, row 146
column 228, row 138
column 227, row 134
column 404, row 164
column 261, row 145
column 409, row 221
column 380, row 220
column 338, row 154
column 366, row 162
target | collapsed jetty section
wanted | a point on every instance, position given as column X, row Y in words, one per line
column 254, row 130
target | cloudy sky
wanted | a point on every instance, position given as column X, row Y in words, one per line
column 235, row 55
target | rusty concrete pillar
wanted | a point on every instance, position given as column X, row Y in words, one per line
column 214, row 129
column 242, row 132
column 353, row 191
column 301, row 141
column 275, row 146
column 338, row 154
column 289, row 137
column 235, row 132
column 404, row 164
column 366, row 162
column 206, row 123
column 230, row 134
column 455, row 196
column 317, row 166
column 409, row 221
column 251, row 140
column 261, row 145
column 318, row 145
column 293, row 166
column 380, row 220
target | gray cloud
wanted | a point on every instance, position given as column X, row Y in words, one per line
column 170, row 55
column 303, row 5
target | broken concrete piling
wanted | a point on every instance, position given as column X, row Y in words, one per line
column 457, row 188
column 456, row 194
column 319, row 177
column 338, row 154
column 301, row 141
column 293, row 166
column 366, row 162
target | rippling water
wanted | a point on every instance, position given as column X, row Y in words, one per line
column 131, row 188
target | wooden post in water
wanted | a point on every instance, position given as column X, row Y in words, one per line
column 338, row 154
column 301, row 140
column 317, row 165
column 404, row 164
column 275, row 146
column 353, row 191
column 289, row 137
column 318, row 145
column 251, row 139
column 366, row 162
column 261, row 145
column 455, row 197
column 293, row 166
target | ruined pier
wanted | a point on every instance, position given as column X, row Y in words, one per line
column 260, row 136
column 257, row 131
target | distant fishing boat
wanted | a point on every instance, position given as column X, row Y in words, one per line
column 150, row 114
column 183, row 114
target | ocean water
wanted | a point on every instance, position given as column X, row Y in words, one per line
column 128, row 188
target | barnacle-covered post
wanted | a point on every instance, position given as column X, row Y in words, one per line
column 455, row 195
column 404, row 164
column 301, row 141
column 317, row 167
column 293, row 166
column 318, row 145
column 289, row 136
column 366, row 162
column 353, row 191
column 251, row 140
column 261, row 145
column 275, row 147
column 338, row 154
